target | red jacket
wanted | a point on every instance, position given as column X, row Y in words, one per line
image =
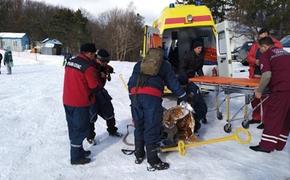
column 251, row 56
column 79, row 80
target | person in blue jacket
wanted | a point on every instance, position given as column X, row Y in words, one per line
column 147, row 111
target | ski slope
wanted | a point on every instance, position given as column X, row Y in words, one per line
column 35, row 145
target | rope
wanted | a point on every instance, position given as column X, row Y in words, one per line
column 125, row 141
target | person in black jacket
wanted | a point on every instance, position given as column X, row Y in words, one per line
column 8, row 60
column 193, row 62
column 103, row 105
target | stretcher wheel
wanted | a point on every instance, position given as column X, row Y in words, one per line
column 220, row 116
column 245, row 124
column 228, row 128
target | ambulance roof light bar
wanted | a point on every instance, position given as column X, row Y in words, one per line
column 196, row 2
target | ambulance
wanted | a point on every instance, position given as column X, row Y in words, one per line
column 180, row 24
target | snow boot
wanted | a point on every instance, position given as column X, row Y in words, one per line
column 116, row 134
column 258, row 148
column 112, row 129
column 139, row 152
column 261, row 126
column 158, row 166
column 154, row 163
column 86, row 153
column 80, row 161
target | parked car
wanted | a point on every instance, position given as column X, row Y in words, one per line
column 285, row 41
column 243, row 51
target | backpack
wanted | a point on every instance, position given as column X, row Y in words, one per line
column 150, row 65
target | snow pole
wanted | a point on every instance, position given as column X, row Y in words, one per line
column 182, row 146
column 123, row 81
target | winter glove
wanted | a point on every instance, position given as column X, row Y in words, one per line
column 186, row 105
column 110, row 69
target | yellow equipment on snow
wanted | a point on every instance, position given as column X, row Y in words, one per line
column 182, row 146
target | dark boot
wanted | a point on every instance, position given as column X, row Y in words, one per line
column 258, row 148
column 112, row 129
column 86, row 153
column 139, row 151
column 154, row 163
column 261, row 126
column 80, row 161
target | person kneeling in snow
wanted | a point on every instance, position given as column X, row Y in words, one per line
column 146, row 86
column 196, row 101
column 103, row 105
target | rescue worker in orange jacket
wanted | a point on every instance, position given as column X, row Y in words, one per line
column 254, row 71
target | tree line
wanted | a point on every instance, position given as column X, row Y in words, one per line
column 254, row 14
column 120, row 31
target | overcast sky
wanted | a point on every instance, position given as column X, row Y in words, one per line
column 150, row 9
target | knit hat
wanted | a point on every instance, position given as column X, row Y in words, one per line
column 103, row 55
column 88, row 47
column 197, row 44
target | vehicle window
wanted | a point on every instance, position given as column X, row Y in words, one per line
column 285, row 41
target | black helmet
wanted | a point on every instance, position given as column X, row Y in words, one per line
column 103, row 55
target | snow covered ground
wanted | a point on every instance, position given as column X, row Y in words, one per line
column 35, row 145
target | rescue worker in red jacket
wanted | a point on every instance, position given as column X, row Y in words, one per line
column 254, row 71
column 103, row 105
column 275, row 67
column 80, row 82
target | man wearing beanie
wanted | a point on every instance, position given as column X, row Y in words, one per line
column 193, row 61
column 80, row 83
column 192, row 66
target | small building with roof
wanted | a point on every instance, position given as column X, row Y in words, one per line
column 51, row 47
column 14, row 41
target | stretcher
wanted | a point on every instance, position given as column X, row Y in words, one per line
column 229, row 86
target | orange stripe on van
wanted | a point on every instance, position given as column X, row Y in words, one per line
column 179, row 20
column 174, row 20
column 201, row 18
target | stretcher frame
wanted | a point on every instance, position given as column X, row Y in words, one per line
column 229, row 86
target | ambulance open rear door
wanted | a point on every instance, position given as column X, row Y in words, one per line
column 224, row 57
